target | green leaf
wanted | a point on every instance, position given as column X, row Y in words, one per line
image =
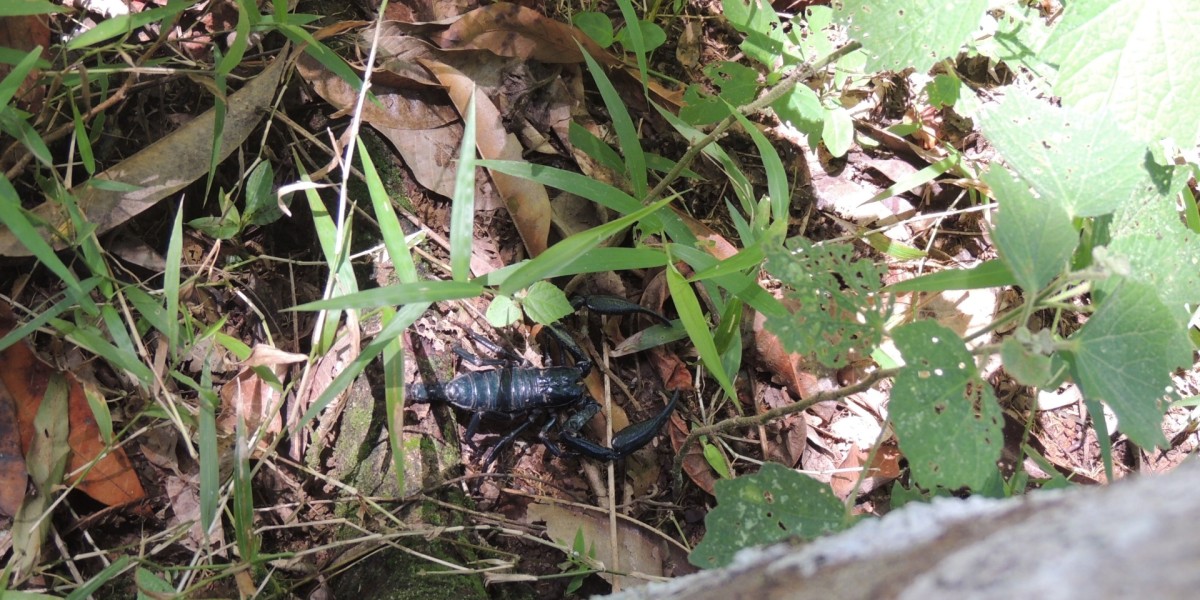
column 627, row 133
column 1027, row 367
column 837, row 131
column 801, row 108
column 262, row 208
column 910, row 33
column 13, row 80
column 502, row 312
column 46, row 461
column 1161, row 253
column 1124, row 355
column 653, row 36
column 545, row 303
column 1109, row 54
column 152, row 586
column 1035, row 238
column 774, row 504
column 947, row 420
column 389, row 225
column 840, row 312
column 1073, row 159
column 596, row 25
column 943, row 90
column 716, row 460
column 759, row 22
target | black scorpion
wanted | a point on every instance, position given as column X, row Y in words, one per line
column 515, row 389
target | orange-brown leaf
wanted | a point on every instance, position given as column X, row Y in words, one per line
column 112, row 479
column 511, row 30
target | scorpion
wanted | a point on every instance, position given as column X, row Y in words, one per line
column 515, row 389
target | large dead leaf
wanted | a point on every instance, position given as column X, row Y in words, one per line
column 512, row 30
column 13, row 477
column 638, row 551
column 527, row 201
column 160, row 169
column 111, row 480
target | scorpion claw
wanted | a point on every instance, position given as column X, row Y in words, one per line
column 626, row 442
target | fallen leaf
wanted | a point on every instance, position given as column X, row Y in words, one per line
column 111, row 480
column 158, row 170
column 638, row 551
column 527, row 201
column 512, row 30
column 13, row 477
column 46, row 458
column 694, row 463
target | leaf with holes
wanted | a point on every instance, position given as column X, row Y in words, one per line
column 910, row 33
column 945, row 416
column 841, row 312
column 771, row 505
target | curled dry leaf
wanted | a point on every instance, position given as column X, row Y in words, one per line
column 158, row 170
column 694, row 463
column 111, row 480
column 252, row 399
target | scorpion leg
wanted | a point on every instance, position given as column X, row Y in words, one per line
column 624, row 443
column 490, row 455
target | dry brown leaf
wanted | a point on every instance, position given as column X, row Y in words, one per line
column 512, row 30
column 527, row 201
column 13, row 478
column 160, row 169
column 112, row 479
column 638, row 551
column 694, row 463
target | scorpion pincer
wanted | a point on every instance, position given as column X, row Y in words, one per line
column 516, row 390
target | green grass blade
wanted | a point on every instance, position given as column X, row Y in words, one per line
column 243, row 497
column 12, row 82
column 627, row 136
column 404, row 317
column 576, row 183
column 82, row 141
column 30, row 7
column 92, row 585
column 993, row 273
column 45, row 316
column 13, row 218
column 118, row 25
column 571, row 249
column 389, row 225
column 171, row 281
column 404, row 293
column 393, row 398
column 637, row 43
column 210, row 466
column 777, row 181
column 692, row 317
column 462, row 206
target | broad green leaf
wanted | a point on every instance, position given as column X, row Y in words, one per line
column 947, row 420
column 1074, row 159
column 596, row 25
column 262, row 207
column 760, row 24
column 840, row 310
column 910, row 33
column 738, row 86
column 545, row 303
column 1161, row 253
column 1124, row 355
column 837, row 131
column 502, row 312
column 1034, row 237
column 1135, row 60
column 152, row 586
column 802, row 108
column 774, row 504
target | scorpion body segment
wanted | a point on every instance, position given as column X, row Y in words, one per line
column 510, row 392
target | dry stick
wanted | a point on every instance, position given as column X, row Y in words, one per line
column 770, row 415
